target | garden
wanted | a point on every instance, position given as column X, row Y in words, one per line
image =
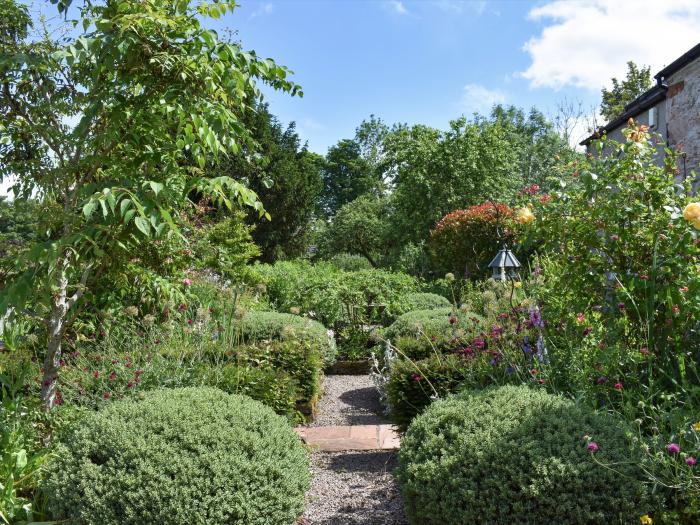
column 182, row 282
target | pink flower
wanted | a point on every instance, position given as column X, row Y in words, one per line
column 621, row 307
column 112, row 376
column 691, row 461
column 130, row 385
column 618, row 385
column 187, row 282
column 580, row 318
column 416, row 377
column 614, row 237
column 96, row 373
column 105, row 395
column 592, row 447
column 644, row 277
column 189, row 321
column 182, row 307
column 673, row 448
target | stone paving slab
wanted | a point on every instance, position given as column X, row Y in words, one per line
column 350, row 437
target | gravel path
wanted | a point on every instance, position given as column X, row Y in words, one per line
column 349, row 400
column 354, row 487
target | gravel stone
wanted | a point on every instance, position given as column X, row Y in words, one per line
column 353, row 488
column 348, row 400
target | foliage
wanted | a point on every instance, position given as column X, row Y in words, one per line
column 156, row 95
column 287, row 179
column 263, row 326
column 436, row 322
column 22, row 454
column 618, row 288
column 419, row 301
column 353, row 167
column 177, row 457
column 358, row 227
column 225, row 246
column 132, row 358
column 622, row 284
column 465, row 241
column 520, row 456
column 322, row 291
column 637, row 81
column 475, row 161
column 350, row 262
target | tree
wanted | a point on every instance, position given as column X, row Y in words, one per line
column 637, row 81
column 359, row 228
column 356, row 166
column 288, row 183
column 155, row 95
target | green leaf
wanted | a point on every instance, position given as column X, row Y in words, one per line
column 89, row 208
column 143, row 225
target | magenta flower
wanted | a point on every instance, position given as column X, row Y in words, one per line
column 416, row 377
column 691, row 461
column 673, row 448
column 618, row 385
column 592, row 447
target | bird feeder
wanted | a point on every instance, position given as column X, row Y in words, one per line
column 504, row 265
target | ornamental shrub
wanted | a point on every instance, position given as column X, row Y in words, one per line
column 270, row 326
column 426, row 324
column 325, row 293
column 178, row 457
column 419, row 301
column 465, row 241
column 350, row 262
column 521, row 456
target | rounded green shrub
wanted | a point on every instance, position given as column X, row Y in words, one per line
column 274, row 326
column 419, row 301
column 519, row 456
column 432, row 323
column 180, row 457
column 350, row 262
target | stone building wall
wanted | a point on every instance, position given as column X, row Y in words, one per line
column 683, row 115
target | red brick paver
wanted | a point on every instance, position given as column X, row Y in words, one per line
column 350, row 437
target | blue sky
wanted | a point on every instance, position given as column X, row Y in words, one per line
column 416, row 62
column 431, row 61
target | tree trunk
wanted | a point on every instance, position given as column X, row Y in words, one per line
column 56, row 325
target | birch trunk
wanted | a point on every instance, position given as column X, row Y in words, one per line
column 56, row 325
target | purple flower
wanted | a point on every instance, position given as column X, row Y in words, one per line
column 690, row 461
column 601, row 380
column 536, row 318
column 592, row 447
column 673, row 448
column 509, row 370
column 526, row 345
column 587, row 330
column 493, row 361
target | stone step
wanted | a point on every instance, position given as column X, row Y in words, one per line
column 350, row 437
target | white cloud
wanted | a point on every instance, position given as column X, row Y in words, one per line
column 480, row 99
column 263, row 9
column 398, row 7
column 585, row 43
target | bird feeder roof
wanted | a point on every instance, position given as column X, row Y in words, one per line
column 504, row 259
